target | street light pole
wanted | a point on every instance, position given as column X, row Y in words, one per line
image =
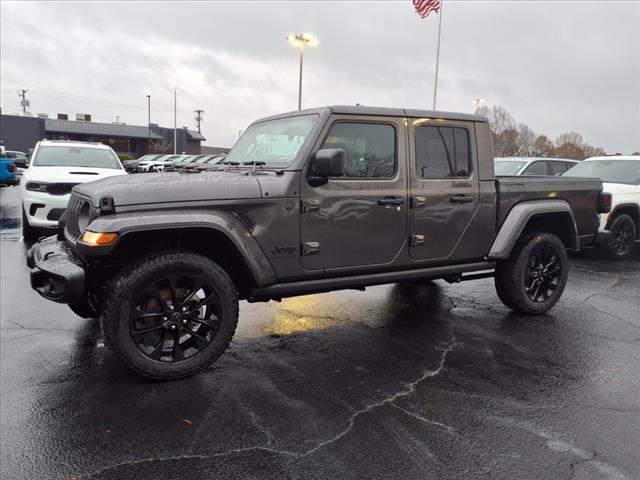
column 175, row 121
column 300, row 77
column 148, row 123
column 300, row 40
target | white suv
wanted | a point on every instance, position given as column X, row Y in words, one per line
column 56, row 166
column 508, row 166
column 620, row 175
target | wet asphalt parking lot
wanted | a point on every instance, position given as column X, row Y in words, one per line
column 400, row 382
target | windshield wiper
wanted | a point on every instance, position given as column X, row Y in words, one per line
column 256, row 164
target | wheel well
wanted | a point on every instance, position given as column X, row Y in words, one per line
column 559, row 224
column 206, row 241
column 631, row 210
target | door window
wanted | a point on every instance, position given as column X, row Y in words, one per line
column 369, row 149
column 557, row 168
column 442, row 152
column 536, row 168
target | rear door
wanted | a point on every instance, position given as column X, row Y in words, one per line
column 444, row 188
column 360, row 219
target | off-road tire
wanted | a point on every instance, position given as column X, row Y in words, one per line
column 622, row 225
column 510, row 274
column 126, row 285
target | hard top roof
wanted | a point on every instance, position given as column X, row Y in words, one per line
column 381, row 111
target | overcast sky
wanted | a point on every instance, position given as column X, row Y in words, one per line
column 556, row 66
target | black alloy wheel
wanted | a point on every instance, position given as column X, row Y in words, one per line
column 532, row 279
column 175, row 318
column 622, row 236
column 542, row 276
column 170, row 314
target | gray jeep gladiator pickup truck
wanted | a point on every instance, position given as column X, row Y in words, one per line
column 310, row 201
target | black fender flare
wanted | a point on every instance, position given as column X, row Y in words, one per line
column 222, row 222
column 518, row 218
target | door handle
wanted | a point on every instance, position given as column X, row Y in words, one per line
column 391, row 201
column 460, row 198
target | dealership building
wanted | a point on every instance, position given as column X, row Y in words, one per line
column 22, row 132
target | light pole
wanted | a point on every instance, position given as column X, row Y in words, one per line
column 175, row 121
column 148, row 123
column 300, row 40
column 477, row 102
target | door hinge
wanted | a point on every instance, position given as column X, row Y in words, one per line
column 418, row 201
column 417, row 240
column 310, row 248
column 310, row 205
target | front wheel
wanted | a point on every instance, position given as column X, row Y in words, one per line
column 532, row 279
column 171, row 314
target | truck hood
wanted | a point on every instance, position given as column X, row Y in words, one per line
column 165, row 188
column 70, row 174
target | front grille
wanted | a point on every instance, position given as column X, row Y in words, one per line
column 72, row 231
column 60, row 188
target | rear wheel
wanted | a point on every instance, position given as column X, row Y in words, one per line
column 532, row 279
column 171, row 315
column 619, row 245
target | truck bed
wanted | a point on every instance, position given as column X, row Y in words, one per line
column 580, row 193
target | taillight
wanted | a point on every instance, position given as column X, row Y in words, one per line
column 11, row 167
column 603, row 204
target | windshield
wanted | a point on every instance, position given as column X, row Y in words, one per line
column 275, row 142
column 610, row 171
column 74, row 156
column 507, row 167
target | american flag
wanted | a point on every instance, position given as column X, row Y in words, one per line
column 425, row 7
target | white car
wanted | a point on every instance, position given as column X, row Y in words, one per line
column 56, row 166
column 508, row 166
column 158, row 164
column 620, row 175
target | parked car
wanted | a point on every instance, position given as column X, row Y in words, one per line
column 180, row 163
column 157, row 164
column 323, row 199
column 8, row 169
column 131, row 166
column 208, row 162
column 620, row 228
column 56, row 167
column 507, row 166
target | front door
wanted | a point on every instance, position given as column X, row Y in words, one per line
column 444, row 192
column 360, row 219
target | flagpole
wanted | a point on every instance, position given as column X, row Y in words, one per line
column 435, row 85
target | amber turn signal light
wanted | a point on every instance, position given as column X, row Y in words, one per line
column 97, row 238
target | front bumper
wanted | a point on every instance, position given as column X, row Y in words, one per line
column 54, row 273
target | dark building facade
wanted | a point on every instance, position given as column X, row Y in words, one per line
column 22, row 133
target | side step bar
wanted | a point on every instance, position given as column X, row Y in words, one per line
column 291, row 289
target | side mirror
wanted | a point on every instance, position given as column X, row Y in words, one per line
column 328, row 162
column 21, row 162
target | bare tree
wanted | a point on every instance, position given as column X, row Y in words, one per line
column 161, row 146
column 543, row 147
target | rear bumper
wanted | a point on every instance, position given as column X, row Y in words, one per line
column 54, row 274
